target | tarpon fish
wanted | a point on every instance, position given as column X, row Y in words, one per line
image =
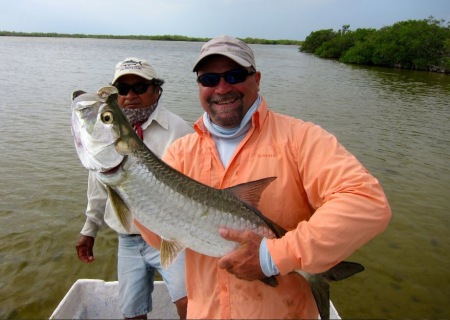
column 183, row 212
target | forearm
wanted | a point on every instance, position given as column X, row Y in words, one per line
column 334, row 232
column 95, row 209
column 349, row 207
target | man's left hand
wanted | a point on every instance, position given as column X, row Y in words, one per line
column 243, row 262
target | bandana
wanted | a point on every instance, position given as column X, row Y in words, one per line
column 139, row 115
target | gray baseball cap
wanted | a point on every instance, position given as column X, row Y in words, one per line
column 230, row 47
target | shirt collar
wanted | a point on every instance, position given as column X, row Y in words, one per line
column 159, row 115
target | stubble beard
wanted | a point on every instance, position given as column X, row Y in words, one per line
column 226, row 116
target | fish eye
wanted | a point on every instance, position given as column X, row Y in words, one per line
column 107, row 117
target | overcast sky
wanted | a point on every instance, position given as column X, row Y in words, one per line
column 268, row 19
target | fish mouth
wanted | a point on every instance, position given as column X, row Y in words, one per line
column 114, row 169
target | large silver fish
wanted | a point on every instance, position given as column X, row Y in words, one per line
column 184, row 212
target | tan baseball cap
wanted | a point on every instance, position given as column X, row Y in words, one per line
column 230, row 47
column 135, row 66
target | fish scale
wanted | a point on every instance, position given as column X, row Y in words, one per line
column 189, row 219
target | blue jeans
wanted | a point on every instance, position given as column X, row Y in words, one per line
column 137, row 262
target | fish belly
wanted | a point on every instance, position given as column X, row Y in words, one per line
column 173, row 216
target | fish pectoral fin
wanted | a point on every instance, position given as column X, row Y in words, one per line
column 170, row 251
column 123, row 213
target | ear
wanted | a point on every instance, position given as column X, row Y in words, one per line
column 160, row 91
column 258, row 77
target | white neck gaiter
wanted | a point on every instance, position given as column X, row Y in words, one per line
column 228, row 139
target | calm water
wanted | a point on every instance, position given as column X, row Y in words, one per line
column 395, row 122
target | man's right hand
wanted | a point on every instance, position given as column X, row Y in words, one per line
column 85, row 247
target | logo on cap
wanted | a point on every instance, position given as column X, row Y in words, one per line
column 131, row 64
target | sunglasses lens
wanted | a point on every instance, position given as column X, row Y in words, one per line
column 231, row 77
column 123, row 88
column 137, row 88
column 140, row 88
column 209, row 79
column 235, row 76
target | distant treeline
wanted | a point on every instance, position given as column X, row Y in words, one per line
column 140, row 37
column 413, row 44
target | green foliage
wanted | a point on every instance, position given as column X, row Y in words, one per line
column 101, row 36
column 264, row 41
column 142, row 37
column 316, row 39
column 413, row 44
column 345, row 40
column 360, row 53
column 361, row 48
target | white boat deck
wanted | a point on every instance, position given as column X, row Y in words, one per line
column 97, row 299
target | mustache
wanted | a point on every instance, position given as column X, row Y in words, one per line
column 220, row 98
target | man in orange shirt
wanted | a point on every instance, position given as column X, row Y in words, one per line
column 322, row 195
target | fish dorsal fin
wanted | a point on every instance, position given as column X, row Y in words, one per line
column 170, row 251
column 250, row 192
column 123, row 213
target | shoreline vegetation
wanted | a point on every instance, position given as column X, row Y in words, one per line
column 141, row 37
column 422, row 45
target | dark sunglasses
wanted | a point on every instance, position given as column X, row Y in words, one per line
column 137, row 88
column 231, row 77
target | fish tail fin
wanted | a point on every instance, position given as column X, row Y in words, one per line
column 270, row 281
column 320, row 287
column 343, row 270
column 321, row 292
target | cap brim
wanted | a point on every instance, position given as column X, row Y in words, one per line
column 137, row 73
column 238, row 60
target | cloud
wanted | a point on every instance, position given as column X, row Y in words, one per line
column 280, row 19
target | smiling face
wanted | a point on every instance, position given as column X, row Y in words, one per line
column 226, row 104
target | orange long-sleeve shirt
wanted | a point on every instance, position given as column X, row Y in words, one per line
column 322, row 194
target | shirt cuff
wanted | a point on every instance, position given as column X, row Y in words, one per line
column 268, row 267
column 89, row 229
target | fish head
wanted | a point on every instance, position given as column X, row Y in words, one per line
column 96, row 129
